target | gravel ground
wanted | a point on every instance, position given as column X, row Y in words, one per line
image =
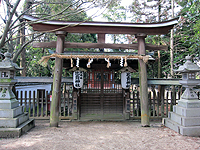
column 100, row 136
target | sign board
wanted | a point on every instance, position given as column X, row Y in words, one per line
column 78, row 79
column 125, row 80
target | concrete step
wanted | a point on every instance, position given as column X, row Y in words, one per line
column 187, row 131
column 17, row 132
column 13, row 122
column 184, row 121
column 186, row 112
column 11, row 113
column 171, row 124
column 9, row 104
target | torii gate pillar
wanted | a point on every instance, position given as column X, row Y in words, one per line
column 56, row 93
column 143, row 81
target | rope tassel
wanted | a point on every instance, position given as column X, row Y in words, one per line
column 72, row 62
column 108, row 62
column 77, row 62
column 121, row 62
column 125, row 64
column 89, row 62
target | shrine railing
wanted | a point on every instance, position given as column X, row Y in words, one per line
column 159, row 105
column 38, row 103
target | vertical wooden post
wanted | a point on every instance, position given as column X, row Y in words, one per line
column 143, row 81
column 56, row 93
column 101, row 39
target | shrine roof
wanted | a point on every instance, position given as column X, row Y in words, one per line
column 101, row 27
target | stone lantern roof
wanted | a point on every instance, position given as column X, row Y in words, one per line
column 188, row 66
column 7, row 63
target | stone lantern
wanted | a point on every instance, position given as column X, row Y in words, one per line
column 188, row 81
column 185, row 118
column 7, row 67
column 7, row 73
column 13, row 121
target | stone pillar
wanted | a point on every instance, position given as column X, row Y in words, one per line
column 143, row 81
column 56, row 93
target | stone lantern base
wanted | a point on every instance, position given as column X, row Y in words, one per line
column 13, row 120
column 185, row 118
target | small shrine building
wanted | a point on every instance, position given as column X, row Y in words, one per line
column 96, row 94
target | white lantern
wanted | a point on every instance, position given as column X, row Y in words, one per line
column 125, row 80
column 78, row 79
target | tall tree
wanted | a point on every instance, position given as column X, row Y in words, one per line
column 154, row 11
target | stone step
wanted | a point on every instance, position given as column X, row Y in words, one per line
column 171, row 124
column 17, row 132
column 9, row 104
column 13, row 122
column 187, row 131
column 11, row 113
column 189, row 103
column 184, row 121
column 186, row 112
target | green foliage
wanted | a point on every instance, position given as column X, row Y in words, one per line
column 116, row 13
column 154, row 11
column 34, row 68
column 150, row 10
column 187, row 33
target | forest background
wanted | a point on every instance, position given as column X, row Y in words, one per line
column 16, row 36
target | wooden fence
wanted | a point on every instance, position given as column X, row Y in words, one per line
column 38, row 105
column 158, row 106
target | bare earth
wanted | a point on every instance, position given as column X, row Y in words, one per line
column 100, row 136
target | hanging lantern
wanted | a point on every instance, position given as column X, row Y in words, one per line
column 78, row 76
column 78, row 79
column 126, row 80
column 126, row 77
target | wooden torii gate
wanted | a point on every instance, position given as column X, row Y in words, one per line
column 140, row 30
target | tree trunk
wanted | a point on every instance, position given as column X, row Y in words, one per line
column 23, row 53
column 22, row 40
column 172, row 43
column 6, row 29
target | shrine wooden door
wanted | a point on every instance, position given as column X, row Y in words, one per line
column 101, row 97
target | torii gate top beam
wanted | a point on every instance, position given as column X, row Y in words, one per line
column 101, row 27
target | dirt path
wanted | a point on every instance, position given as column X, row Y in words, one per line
column 100, row 136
